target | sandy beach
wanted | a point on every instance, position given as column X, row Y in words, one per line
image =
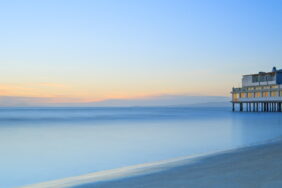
column 254, row 166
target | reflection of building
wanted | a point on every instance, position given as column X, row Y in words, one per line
column 259, row 92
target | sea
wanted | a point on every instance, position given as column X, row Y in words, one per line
column 43, row 144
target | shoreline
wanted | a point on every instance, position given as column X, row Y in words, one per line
column 194, row 171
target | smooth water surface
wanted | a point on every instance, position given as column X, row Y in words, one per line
column 42, row 144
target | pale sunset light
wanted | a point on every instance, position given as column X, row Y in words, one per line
column 140, row 93
column 97, row 50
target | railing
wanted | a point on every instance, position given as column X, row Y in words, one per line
column 258, row 99
column 240, row 90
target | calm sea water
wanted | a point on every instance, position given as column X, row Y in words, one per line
column 42, row 144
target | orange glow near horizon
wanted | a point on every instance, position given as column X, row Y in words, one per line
column 87, row 89
column 60, row 93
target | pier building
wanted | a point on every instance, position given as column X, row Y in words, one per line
column 261, row 92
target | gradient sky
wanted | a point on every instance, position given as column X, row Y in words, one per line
column 88, row 50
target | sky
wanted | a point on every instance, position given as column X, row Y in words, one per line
column 91, row 50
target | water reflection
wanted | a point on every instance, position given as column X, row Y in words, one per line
column 249, row 128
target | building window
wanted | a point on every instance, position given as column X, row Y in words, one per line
column 263, row 77
column 257, row 94
column 258, row 88
column 242, row 95
column 274, row 93
column 266, row 87
column 235, row 96
column 274, row 87
column 269, row 77
column 265, row 94
column 255, row 78
column 250, row 95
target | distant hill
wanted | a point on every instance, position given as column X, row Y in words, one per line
column 212, row 104
column 163, row 100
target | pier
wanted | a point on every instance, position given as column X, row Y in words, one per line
column 257, row 106
column 260, row 92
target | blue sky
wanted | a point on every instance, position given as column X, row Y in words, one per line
column 93, row 50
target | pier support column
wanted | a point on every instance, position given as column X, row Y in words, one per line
column 260, row 107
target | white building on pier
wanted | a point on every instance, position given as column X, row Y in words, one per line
column 259, row 92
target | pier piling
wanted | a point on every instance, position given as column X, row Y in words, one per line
column 258, row 106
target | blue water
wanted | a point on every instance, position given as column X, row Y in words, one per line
column 42, row 144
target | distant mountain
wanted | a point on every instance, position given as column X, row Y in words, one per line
column 163, row 100
column 212, row 104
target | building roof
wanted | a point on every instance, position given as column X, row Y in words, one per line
column 262, row 73
column 273, row 72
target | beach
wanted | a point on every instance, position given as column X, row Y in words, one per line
column 253, row 166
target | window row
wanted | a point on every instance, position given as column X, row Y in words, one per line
column 257, row 94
